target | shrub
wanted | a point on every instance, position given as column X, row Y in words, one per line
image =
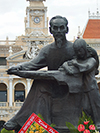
column 6, row 131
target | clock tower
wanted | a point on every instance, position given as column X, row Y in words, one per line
column 36, row 28
column 36, row 17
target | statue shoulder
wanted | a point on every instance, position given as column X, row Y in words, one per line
column 47, row 47
column 69, row 44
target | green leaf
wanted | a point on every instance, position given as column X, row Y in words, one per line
column 6, row 131
column 71, row 128
column 40, row 116
column 52, row 125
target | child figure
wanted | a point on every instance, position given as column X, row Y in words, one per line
column 87, row 64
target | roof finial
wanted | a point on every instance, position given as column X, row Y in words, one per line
column 79, row 33
column 97, row 6
column 97, row 9
column 89, row 13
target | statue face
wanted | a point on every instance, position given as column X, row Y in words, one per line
column 58, row 28
column 80, row 53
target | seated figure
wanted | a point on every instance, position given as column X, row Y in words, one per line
column 57, row 98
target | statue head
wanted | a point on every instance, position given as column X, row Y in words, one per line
column 58, row 27
column 80, row 47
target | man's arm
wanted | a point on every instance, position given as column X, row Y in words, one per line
column 83, row 66
column 38, row 62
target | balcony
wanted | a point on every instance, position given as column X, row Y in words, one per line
column 3, row 104
column 18, row 104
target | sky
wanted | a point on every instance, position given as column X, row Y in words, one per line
column 13, row 12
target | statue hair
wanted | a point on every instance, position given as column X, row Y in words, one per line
column 59, row 17
column 80, row 43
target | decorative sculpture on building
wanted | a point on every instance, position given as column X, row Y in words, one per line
column 32, row 51
column 53, row 95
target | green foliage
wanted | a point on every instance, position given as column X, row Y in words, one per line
column 82, row 119
column 6, row 131
column 52, row 125
column 71, row 128
column 40, row 116
column 85, row 118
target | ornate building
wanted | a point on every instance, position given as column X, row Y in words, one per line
column 14, row 89
column 91, row 34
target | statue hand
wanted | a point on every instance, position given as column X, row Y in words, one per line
column 13, row 69
column 74, row 62
column 61, row 69
column 70, row 63
column 65, row 68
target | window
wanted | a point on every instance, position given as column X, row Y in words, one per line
column 19, row 92
column 3, row 92
column 3, row 61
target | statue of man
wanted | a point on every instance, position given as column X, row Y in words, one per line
column 41, row 92
column 53, row 101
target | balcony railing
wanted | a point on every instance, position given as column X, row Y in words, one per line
column 3, row 104
column 18, row 104
column 15, row 104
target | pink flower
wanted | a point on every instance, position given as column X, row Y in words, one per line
column 86, row 122
column 86, row 131
column 92, row 127
column 81, row 127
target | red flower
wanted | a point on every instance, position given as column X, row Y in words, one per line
column 81, row 127
column 86, row 122
column 86, row 131
column 92, row 127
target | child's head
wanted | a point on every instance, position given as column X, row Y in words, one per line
column 80, row 48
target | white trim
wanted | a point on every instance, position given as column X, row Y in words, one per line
column 5, row 84
column 28, row 84
column 10, row 91
column 84, row 28
column 45, row 18
column 19, row 81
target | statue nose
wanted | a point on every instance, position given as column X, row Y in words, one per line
column 59, row 29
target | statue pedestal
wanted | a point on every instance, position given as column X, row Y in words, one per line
column 66, row 130
column 62, row 129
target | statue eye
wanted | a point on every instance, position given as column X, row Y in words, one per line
column 62, row 27
column 55, row 28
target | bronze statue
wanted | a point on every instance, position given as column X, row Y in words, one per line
column 87, row 63
column 51, row 96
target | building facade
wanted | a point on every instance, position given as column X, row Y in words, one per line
column 14, row 89
column 91, row 34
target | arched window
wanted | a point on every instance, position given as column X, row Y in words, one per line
column 3, row 92
column 19, row 92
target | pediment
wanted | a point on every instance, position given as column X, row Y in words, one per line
column 16, row 57
column 36, row 33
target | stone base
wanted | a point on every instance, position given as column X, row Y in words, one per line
column 66, row 130
column 59, row 129
column 62, row 129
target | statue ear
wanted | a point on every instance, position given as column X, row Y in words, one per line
column 67, row 30
column 50, row 30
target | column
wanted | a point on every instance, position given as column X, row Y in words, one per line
column 10, row 91
column 28, row 85
column 28, row 18
column 45, row 18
